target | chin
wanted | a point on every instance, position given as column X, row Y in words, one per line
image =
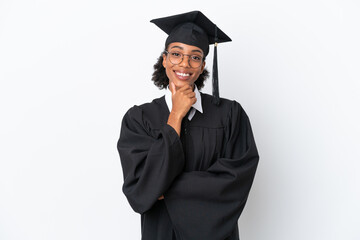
column 180, row 84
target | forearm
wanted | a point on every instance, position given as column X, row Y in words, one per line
column 174, row 121
column 142, row 155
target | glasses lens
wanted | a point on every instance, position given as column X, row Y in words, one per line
column 195, row 61
column 175, row 57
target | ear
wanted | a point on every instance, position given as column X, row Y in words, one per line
column 164, row 60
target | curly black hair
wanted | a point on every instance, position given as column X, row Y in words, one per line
column 162, row 81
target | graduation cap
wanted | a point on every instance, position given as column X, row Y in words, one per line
column 194, row 28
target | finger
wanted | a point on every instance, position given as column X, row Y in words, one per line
column 193, row 100
column 191, row 95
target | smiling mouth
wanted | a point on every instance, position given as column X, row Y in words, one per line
column 182, row 74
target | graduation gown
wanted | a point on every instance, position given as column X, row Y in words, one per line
column 205, row 174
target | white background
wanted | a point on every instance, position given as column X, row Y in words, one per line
column 70, row 69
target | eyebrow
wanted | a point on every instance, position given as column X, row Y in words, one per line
column 195, row 50
column 178, row 47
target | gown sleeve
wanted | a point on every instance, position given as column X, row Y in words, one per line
column 207, row 204
column 150, row 159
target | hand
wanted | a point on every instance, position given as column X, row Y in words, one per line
column 161, row 198
column 182, row 99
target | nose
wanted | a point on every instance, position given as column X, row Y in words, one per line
column 185, row 62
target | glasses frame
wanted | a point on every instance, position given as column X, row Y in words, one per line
column 189, row 57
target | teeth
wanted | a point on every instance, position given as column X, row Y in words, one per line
column 183, row 74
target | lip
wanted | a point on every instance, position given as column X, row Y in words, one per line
column 182, row 75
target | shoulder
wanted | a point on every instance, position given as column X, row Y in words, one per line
column 225, row 107
column 151, row 113
column 154, row 105
column 217, row 116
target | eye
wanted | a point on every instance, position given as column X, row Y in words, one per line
column 175, row 54
column 196, row 58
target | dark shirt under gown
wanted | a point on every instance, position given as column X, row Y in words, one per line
column 205, row 175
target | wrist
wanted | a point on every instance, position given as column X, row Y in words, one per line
column 176, row 116
column 174, row 121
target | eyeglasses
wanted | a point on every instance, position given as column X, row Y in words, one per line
column 194, row 60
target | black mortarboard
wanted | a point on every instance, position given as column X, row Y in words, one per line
column 194, row 28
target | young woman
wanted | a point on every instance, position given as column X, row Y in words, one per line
column 188, row 158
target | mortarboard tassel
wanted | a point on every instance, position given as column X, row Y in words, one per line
column 215, row 77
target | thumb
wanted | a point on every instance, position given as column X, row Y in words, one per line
column 172, row 88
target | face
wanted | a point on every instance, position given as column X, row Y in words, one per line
column 182, row 73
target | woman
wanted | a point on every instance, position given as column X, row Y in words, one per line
column 188, row 158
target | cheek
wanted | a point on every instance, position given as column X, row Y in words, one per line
column 166, row 64
column 198, row 74
column 168, row 72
